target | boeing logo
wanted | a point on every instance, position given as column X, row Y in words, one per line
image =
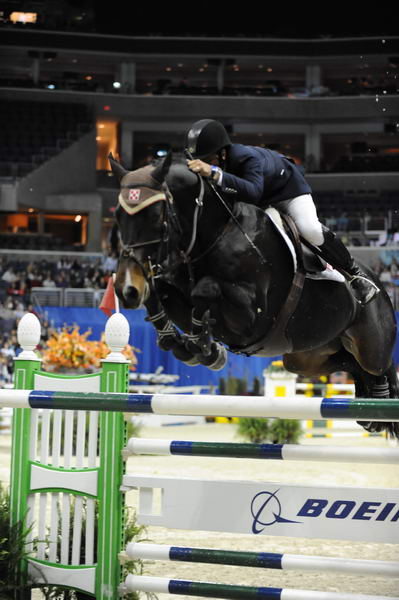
column 266, row 510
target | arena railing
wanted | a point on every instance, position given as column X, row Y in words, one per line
column 86, row 297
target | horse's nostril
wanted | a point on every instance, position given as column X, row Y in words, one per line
column 130, row 293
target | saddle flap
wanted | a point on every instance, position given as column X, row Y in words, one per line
column 311, row 262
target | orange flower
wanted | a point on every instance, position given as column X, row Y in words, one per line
column 71, row 349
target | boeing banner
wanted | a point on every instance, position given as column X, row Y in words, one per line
column 267, row 508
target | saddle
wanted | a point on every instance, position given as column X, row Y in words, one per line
column 306, row 264
column 304, row 253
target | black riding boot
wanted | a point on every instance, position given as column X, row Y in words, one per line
column 336, row 253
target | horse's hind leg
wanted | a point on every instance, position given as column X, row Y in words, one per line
column 378, row 386
column 324, row 361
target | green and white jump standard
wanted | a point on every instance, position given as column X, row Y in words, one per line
column 58, row 475
column 46, row 475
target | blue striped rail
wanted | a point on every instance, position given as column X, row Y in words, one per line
column 366, row 409
column 265, row 560
column 160, row 585
column 137, row 446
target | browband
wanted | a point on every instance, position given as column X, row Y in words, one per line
column 133, row 209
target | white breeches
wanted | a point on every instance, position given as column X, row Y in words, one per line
column 303, row 212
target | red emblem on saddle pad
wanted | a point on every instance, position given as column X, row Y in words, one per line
column 134, row 196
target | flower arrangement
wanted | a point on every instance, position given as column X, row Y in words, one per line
column 276, row 366
column 70, row 349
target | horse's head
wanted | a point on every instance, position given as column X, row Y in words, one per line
column 140, row 218
column 146, row 220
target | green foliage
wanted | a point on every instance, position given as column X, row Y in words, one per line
column 238, row 386
column 254, row 430
column 222, row 386
column 13, row 542
column 133, row 532
column 285, row 431
column 275, row 431
column 256, row 387
column 241, row 387
column 232, row 386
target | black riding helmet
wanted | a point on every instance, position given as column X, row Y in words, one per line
column 206, row 137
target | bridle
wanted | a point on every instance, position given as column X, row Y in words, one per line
column 171, row 222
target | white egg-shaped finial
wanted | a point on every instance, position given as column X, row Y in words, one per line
column 117, row 332
column 28, row 334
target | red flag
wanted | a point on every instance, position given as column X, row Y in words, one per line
column 108, row 302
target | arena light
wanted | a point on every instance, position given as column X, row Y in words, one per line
column 23, row 17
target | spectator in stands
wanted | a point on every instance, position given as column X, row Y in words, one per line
column 6, row 370
column 34, row 277
column 385, row 275
column 49, row 281
column 9, row 275
column 7, row 350
column 61, row 280
column 64, row 263
column 110, row 263
column 76, row 279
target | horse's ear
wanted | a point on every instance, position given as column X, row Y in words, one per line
column 116, row 167
column 161, row 171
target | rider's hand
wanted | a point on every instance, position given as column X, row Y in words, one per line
column 200, row 167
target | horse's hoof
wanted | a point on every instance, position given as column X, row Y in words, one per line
column 391, row 429
column 192, row 362
column 221, row 358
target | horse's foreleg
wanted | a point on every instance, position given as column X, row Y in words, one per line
column 209, row 353
column 168, row 337
column 233, row 302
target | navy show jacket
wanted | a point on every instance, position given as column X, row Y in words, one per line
column 261, row 176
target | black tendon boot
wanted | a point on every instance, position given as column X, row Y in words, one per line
column 334, row 252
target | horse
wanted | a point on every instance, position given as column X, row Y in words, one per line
column 217, row 274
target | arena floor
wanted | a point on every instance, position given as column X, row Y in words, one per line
column 244, row 469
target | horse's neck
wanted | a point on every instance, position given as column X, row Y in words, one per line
column 204, row 221
column 216, row 213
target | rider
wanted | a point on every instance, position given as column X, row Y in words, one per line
column 264, row 177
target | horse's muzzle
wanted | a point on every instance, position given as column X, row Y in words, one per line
column 132, row 298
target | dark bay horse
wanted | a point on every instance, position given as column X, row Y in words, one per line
column 213, row 273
